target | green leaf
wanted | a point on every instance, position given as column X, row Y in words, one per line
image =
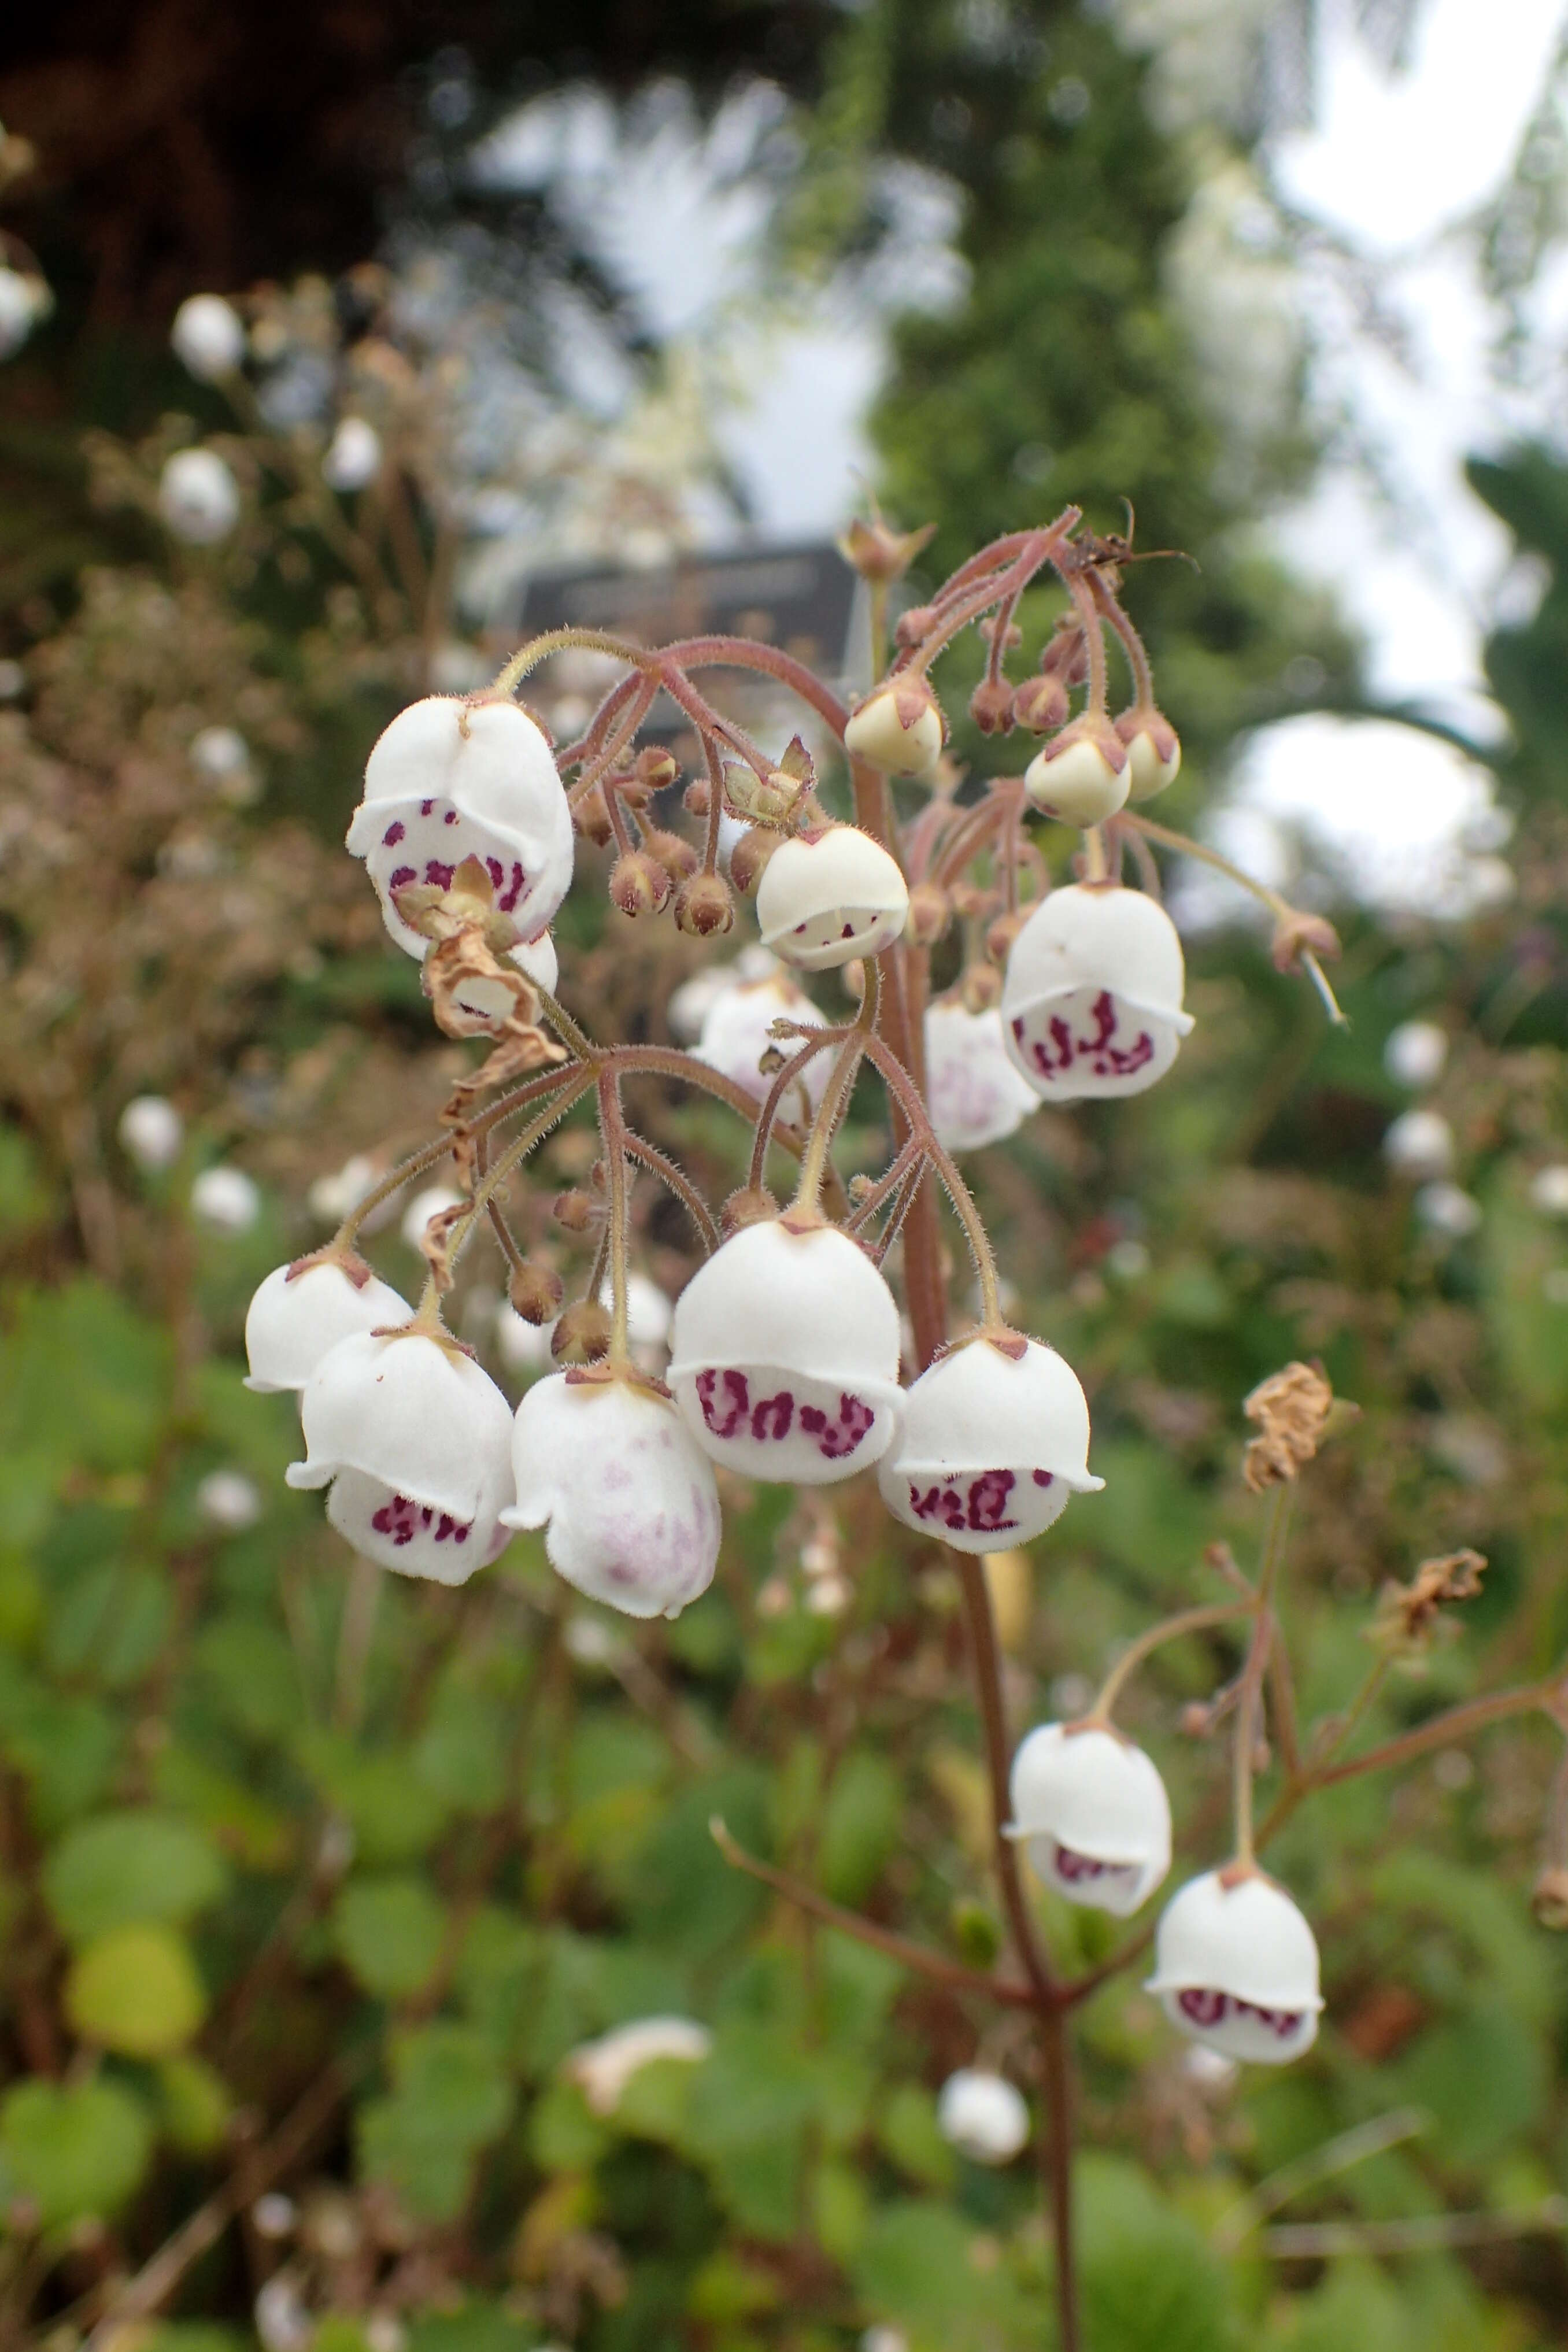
column 195, row 2103
column 132, row 1865
column 390, row 1931
column 907, row 2131
column 74, row 2150
column 472, row 2327
column 924, row 2269
column 136, row 1991
column 449, row 2097
column 1151, row 2284
column 1485, row 2076
column 84, row 1343
column 861, row 1825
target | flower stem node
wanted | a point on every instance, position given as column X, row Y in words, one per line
column 450, row 780
column 413, row 1443
column 784, row 1354
column 1235, row 1968
column 897, row 729
column 1092, row 1004
column 830, row 896
column 1082, row 776
column 974, row 1092
column 993, row 1445
column 1154, row 751
column 1093, row 1814
column 983, row 2115
column 626, row 1496
column 303, row 1310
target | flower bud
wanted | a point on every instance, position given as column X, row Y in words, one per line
column 674, row 853
column 535, row 1291
column 991, row 1447
column 750, row 856
column 654, row 768
column 830, row 896
column 1000, row 935
column 1420, row 1145
column 697, row 797
column 208, row 337
column 1236, row 1966
column 198, row 498
column 983, row 2115
column 703, row 907
column 577, row 1212
column 639, row 885
column 974, row 1092
column 413, row 1443
column 353, row 455
column 930, row 912
column 785, row 1355
column 1092, row 1000
column 991, row 706
column 980, row 988
column 626, row 1496
column 897, row 729
column 1041, row 704
column 592, row 817
column 451, row 781
column 1082, row 776
column 302, row 1311
column 1093, row 1813
column 1153, row 753
column 1549, row 1898
column 912, row 625
column 581, row 1333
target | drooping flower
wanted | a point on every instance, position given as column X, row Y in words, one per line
column 983, row 2115
column 1414, row 1054
column 451, row 779
column 991, row 1447
column 1092, row 1000
column 299, row 1314
column 198, row 498
column 1093, row 1814
column 973, row 1091
column 1236, row 1966
column 624, row 1493
column 735, row 1034
column 784, row 1354
column 1419, row 1145
column 226, row 1200
column 413, row 1443
column 208, row 337
column 829, row 896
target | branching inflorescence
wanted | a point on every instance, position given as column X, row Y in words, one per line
column 790, row 1359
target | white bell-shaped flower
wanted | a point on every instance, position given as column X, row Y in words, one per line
column 198, row 498
column 1414, row 1054
column 973, row 1091
column 295, row 1316
column 230, row 1500
column 1093, row 1815
column 152, row 1131
column 226, row 1200
column 624, row 1493
column 735, row 1034
column 785, row 1355
column 692, row 1003
column 829, row 896
column 353, row 455
column 991, row 1448
column 208, row 337
column 983, row 2115
column 1420, row 1145
column 414, row 1442
column 1092, row 1000
column 1236, row 1966
column 451, row 779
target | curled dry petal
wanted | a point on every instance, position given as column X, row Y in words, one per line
column 1291, row 1409
column 1409, row 1614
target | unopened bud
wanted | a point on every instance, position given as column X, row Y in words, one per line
column 639, row 885
column 697, row 797
column 991, row 706
column 675, row 854
column 973, row 900
column 749, row 857
column 753, row 1204
column 912, row 626
column 981, row 987
column 1041, row 705
column 1549, row 1900
column 576, row 1211
column 930, row 912
column 592, row 818
column 1082, row 778
column 703, row 905
column 581, row 1333
column 897, row 729
column 656, row 770
column 1067, row 654
column 877, row 551
column 1154, row 751
column 1000, row 934
column 534, row 1291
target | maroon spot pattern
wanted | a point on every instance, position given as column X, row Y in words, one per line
column 1105, row 1057
column 1075, row 1868
column 403, row 1520
column 393, row 833
column 1208, row 2008
column 976, row 1509
column 728, row 1411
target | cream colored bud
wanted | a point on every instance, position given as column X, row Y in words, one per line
column 897, row 729
column 1082, row 778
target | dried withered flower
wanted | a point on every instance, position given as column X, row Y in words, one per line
column 1408, row 1614
column 1291, row 1409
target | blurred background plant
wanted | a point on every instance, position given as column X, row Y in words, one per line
column 321, row 1892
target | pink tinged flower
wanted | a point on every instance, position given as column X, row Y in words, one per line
column 415, row 1444
column 625, row 1496
column 1236, row 1966
column 451, row 779
column 785, row 1355
column 1093, row 1815
column 294, row 1319
column 983, row 2115
column 735, row 1036
column 992, row 1447
column 974, row 1092
column 826, row 897
column 1092, row 1004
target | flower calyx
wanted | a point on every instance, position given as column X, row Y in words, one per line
column 877, row 551
column 1297, row 934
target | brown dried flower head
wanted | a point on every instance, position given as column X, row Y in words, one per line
column 1408, row 1615
column 1291, row 1407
